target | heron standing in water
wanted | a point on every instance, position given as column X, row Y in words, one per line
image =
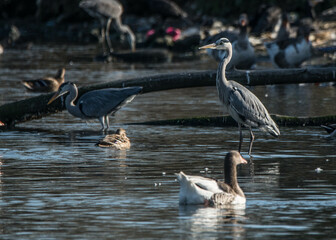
column 97, row 103
column 108, row 11
column 244, row 107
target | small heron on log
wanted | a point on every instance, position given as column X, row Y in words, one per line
column 244, row 107
column 97, row 103
column 108, row 11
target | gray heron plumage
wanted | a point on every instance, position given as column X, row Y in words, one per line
column 97, row 103
column 244, row 107
column 109, row 12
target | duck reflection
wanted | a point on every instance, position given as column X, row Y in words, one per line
column 213, row 221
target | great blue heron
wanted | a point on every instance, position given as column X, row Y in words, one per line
column 242, row 105
column 118, row 140
column 108, row 11
column 201, row 190
column 243, row 55
column 291, row 52
column 97, row 103
column 46, row 84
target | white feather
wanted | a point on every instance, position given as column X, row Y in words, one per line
column 198, row 190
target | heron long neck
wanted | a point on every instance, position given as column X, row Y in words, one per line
column 221, row 80
column 125, row 29
column 69, row 102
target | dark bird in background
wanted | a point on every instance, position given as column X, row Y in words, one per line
column 46, row 84
column 291, row 52
column 265, row 19
column 95, row 104
column 165, row 9
column 284, row 30
column 243, row 106
column 109, row 11
column 243, row 52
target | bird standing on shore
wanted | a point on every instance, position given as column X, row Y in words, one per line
column 108, row 11
column 97, row 103
column 243, row 106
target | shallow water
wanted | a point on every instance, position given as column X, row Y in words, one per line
column 55, row 184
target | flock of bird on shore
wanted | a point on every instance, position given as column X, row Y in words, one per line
column 232, row 49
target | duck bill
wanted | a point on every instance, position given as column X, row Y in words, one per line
column 211, row 46
column 56, row 95
column 242, row 160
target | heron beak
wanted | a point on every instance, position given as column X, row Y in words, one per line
column 211, row 46
column 56, row 95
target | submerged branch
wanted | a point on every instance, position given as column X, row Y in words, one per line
column 228, row 121
column 36, row 107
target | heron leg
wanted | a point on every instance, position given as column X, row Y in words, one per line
column 240, row 137
column 251, row 142
column 102, row 35
column 102, row 122
column 107, row 122
column 102, row 32
column 107, row 35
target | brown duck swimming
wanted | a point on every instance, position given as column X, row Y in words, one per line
column 118, row 140
column 46, row 84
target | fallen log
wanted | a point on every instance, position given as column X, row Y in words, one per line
column 36, row 107
column 228, row 121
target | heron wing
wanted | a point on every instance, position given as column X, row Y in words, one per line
column 102, row 102
column 247, row 106
column 106, row 8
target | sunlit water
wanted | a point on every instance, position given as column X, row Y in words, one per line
column 56, row 184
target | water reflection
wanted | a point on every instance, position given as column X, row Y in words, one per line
column 207, row 221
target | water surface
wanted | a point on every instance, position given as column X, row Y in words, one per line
column 56, row 184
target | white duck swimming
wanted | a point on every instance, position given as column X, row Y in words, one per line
column 207, row 191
